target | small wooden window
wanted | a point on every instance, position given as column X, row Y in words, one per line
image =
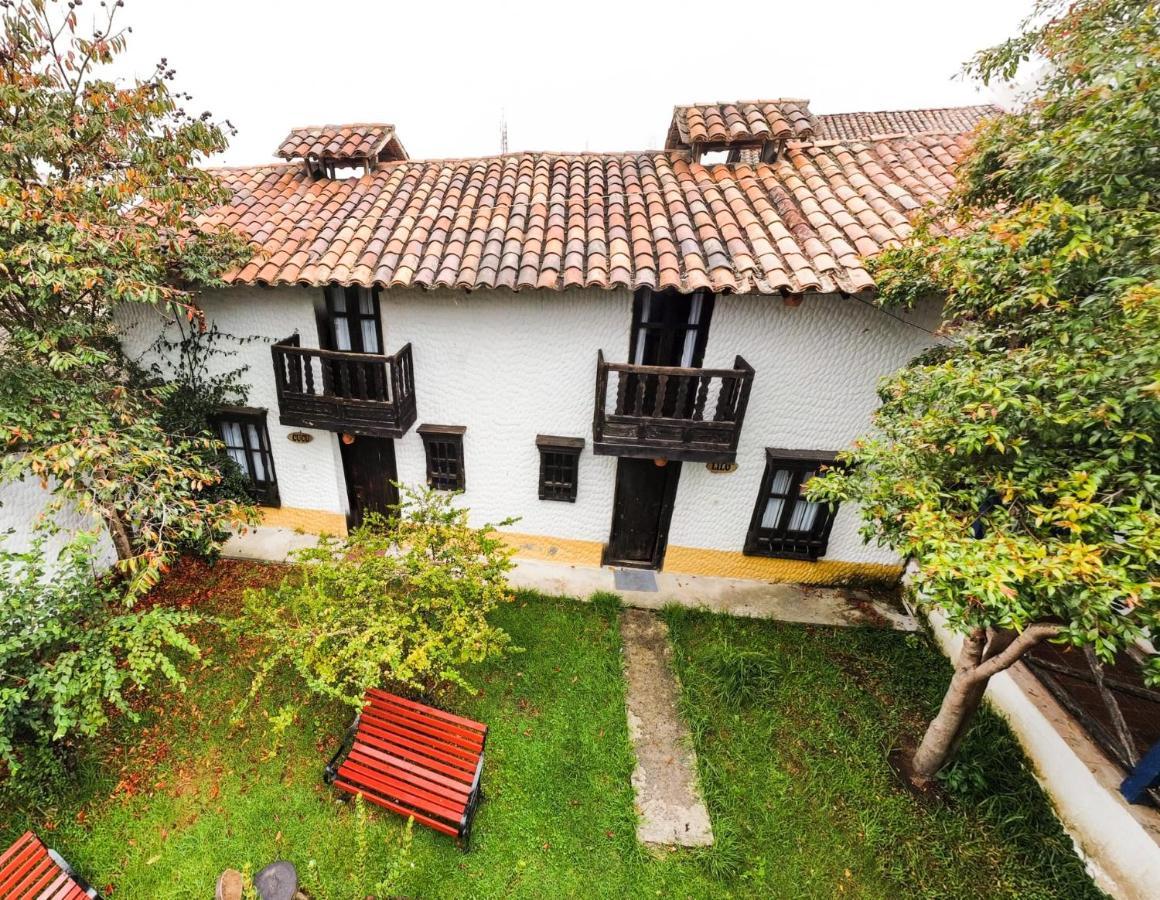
column 785, row 523
column 559, row 467
column 243, row 430
column 444, row 447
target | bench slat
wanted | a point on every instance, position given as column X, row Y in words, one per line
column 19, row 868
column 402, row 792
column 398, row 736
column 429, row 710
column 469, row 737
column 400, row 809
column 61, row 889
column 430, row 731
column 383, row 758
column 37, row 878
column 29, row 872
column 27, row 838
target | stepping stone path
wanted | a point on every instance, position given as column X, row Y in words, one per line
column 668, row 799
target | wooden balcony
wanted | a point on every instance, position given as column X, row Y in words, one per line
column 355, row 393
column 670, row 413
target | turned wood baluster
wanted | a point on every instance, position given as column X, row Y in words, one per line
column 681, row 408
column 724, row 410
column 308, row 368
column 343, row 377
column 638, row 403
column 360, row 372
column 659, row 403
column 702, row 396
column 621, row 386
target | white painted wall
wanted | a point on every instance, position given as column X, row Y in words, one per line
column 509, row 366
column 309, row 475
column 24, row 505
column 817, row 367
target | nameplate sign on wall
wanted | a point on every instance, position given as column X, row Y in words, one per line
column 300, row 437
column 721, row 468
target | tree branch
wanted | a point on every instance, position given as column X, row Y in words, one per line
column 1030, row 636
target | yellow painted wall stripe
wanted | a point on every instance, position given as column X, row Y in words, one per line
column 312, row 521
column 718, row 563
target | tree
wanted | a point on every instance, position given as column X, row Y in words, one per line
column 401, row 603
column 101, row 205
column 1016, row 463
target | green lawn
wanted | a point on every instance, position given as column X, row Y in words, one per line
column 801, row 795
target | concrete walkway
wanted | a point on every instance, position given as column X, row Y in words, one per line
column 668, row 799
column 734, row 596
column 641, row 589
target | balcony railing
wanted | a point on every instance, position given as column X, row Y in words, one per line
column 668, row 412
column 356, row 393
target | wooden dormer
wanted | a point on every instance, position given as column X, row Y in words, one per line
column 327, row 150
column 763, row 126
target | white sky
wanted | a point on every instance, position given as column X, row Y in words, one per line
column 581, row 75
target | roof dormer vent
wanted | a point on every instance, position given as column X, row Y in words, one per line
column 327, row 151
column 763, row 126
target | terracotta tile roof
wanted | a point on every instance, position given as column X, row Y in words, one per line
column 802, row 223
column 865, row 126
column 359, row 141
column 743, row 121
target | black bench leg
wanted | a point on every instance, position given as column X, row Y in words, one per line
column 464, row 839
column 330, row 772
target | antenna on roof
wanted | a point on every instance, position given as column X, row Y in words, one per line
column 503, row 145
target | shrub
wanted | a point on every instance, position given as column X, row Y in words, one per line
column 72, row 651
column 401, row 603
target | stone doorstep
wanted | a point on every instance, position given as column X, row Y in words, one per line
column 668, row 798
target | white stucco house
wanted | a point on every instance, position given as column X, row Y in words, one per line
column 643, row 356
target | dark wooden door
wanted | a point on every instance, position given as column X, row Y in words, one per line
column 641, row 511
column 369, row 465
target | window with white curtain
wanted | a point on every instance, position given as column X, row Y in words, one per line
column 354, row 322
column 247, row 443
column 785, row 523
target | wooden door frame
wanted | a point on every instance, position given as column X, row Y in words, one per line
column 345, row 454
column 664, row 520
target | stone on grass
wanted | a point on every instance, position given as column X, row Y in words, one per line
column 278, row 881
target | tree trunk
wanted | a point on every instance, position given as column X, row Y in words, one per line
column 120, row 535
column 946, row 730
column 984, row 653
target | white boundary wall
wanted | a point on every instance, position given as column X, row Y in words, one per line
column 1119, row 842
column 24, row 503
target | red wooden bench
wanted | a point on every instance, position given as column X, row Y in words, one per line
column 30, row 871
column 414, row 760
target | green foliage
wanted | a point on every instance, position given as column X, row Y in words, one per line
column 71, row 653
column 101, row 202
column 401, row 603
column 193, row 384
column 1038, row 418
column 964, row 778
